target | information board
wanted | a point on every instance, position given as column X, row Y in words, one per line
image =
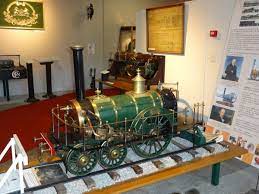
column 235, row 109
column 165, row 29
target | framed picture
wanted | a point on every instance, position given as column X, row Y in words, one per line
column 127, row 39
column 21, row 14
column 165, row 29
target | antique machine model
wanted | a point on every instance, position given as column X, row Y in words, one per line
column 125, row 65
column 100, row 128
column 8, row 71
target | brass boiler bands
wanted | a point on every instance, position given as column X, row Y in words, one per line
column 116, row 109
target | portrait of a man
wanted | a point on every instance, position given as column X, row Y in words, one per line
column 222, row 115
column 232, row 68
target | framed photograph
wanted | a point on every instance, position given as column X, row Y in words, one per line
column 165, row 29
column 232, row 68
column 21, row 14
column 222, row 115
column 127, row 39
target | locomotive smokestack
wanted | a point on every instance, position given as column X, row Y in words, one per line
column 79, row 72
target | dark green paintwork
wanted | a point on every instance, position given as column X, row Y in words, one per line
column 125, row 106
column 72, row 158
column 215, row 174
column 106, row 160
column 198, row 138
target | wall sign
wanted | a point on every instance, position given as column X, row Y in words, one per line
column 165, row 29
column 21, row 14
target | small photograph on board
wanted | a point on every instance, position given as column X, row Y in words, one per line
column 233, row 140
column 255, row 161
column 232, row 68
column 254, row 71
column 250, row 147
column 251, row 3
column 226, row 96
column 50, row 174
column 241, row 142
column 223, row 133
column 249, row 17
column 222, row 115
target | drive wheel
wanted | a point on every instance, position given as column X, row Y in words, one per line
column 155, row 123
column 79, row 162
column 112, row 156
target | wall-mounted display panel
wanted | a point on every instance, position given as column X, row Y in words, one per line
column 21, row 14
column 165, row 29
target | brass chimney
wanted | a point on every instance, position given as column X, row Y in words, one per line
column 139, row 83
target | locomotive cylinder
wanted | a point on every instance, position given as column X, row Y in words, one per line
column 79, row 71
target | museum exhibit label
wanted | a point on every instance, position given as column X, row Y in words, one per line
column 235, row 109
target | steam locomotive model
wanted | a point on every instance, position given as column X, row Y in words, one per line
column 100, row 128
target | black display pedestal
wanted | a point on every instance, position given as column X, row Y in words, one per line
column 31, row 98
column 6, row 89
column 48, row 79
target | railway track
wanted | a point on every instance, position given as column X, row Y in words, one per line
column 52, row 178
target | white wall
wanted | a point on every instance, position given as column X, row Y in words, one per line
column 119, row 13
column 197, row 69
column 65, row 25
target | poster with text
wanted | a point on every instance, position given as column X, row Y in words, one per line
column 235, row 108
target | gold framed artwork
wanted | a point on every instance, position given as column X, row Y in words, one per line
column 21, row 14
column 165, row 29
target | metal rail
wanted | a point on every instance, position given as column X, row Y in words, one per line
column 115, row 168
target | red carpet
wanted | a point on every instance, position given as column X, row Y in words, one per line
column 28, row 121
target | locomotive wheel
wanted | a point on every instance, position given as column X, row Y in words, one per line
column 112, row 156
column 80, row 163
column 152, row 122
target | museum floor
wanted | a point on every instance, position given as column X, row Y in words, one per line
column 236, row 177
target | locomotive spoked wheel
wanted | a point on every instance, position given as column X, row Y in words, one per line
column 155, row 122
column 112, row 156
column 79, row 162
